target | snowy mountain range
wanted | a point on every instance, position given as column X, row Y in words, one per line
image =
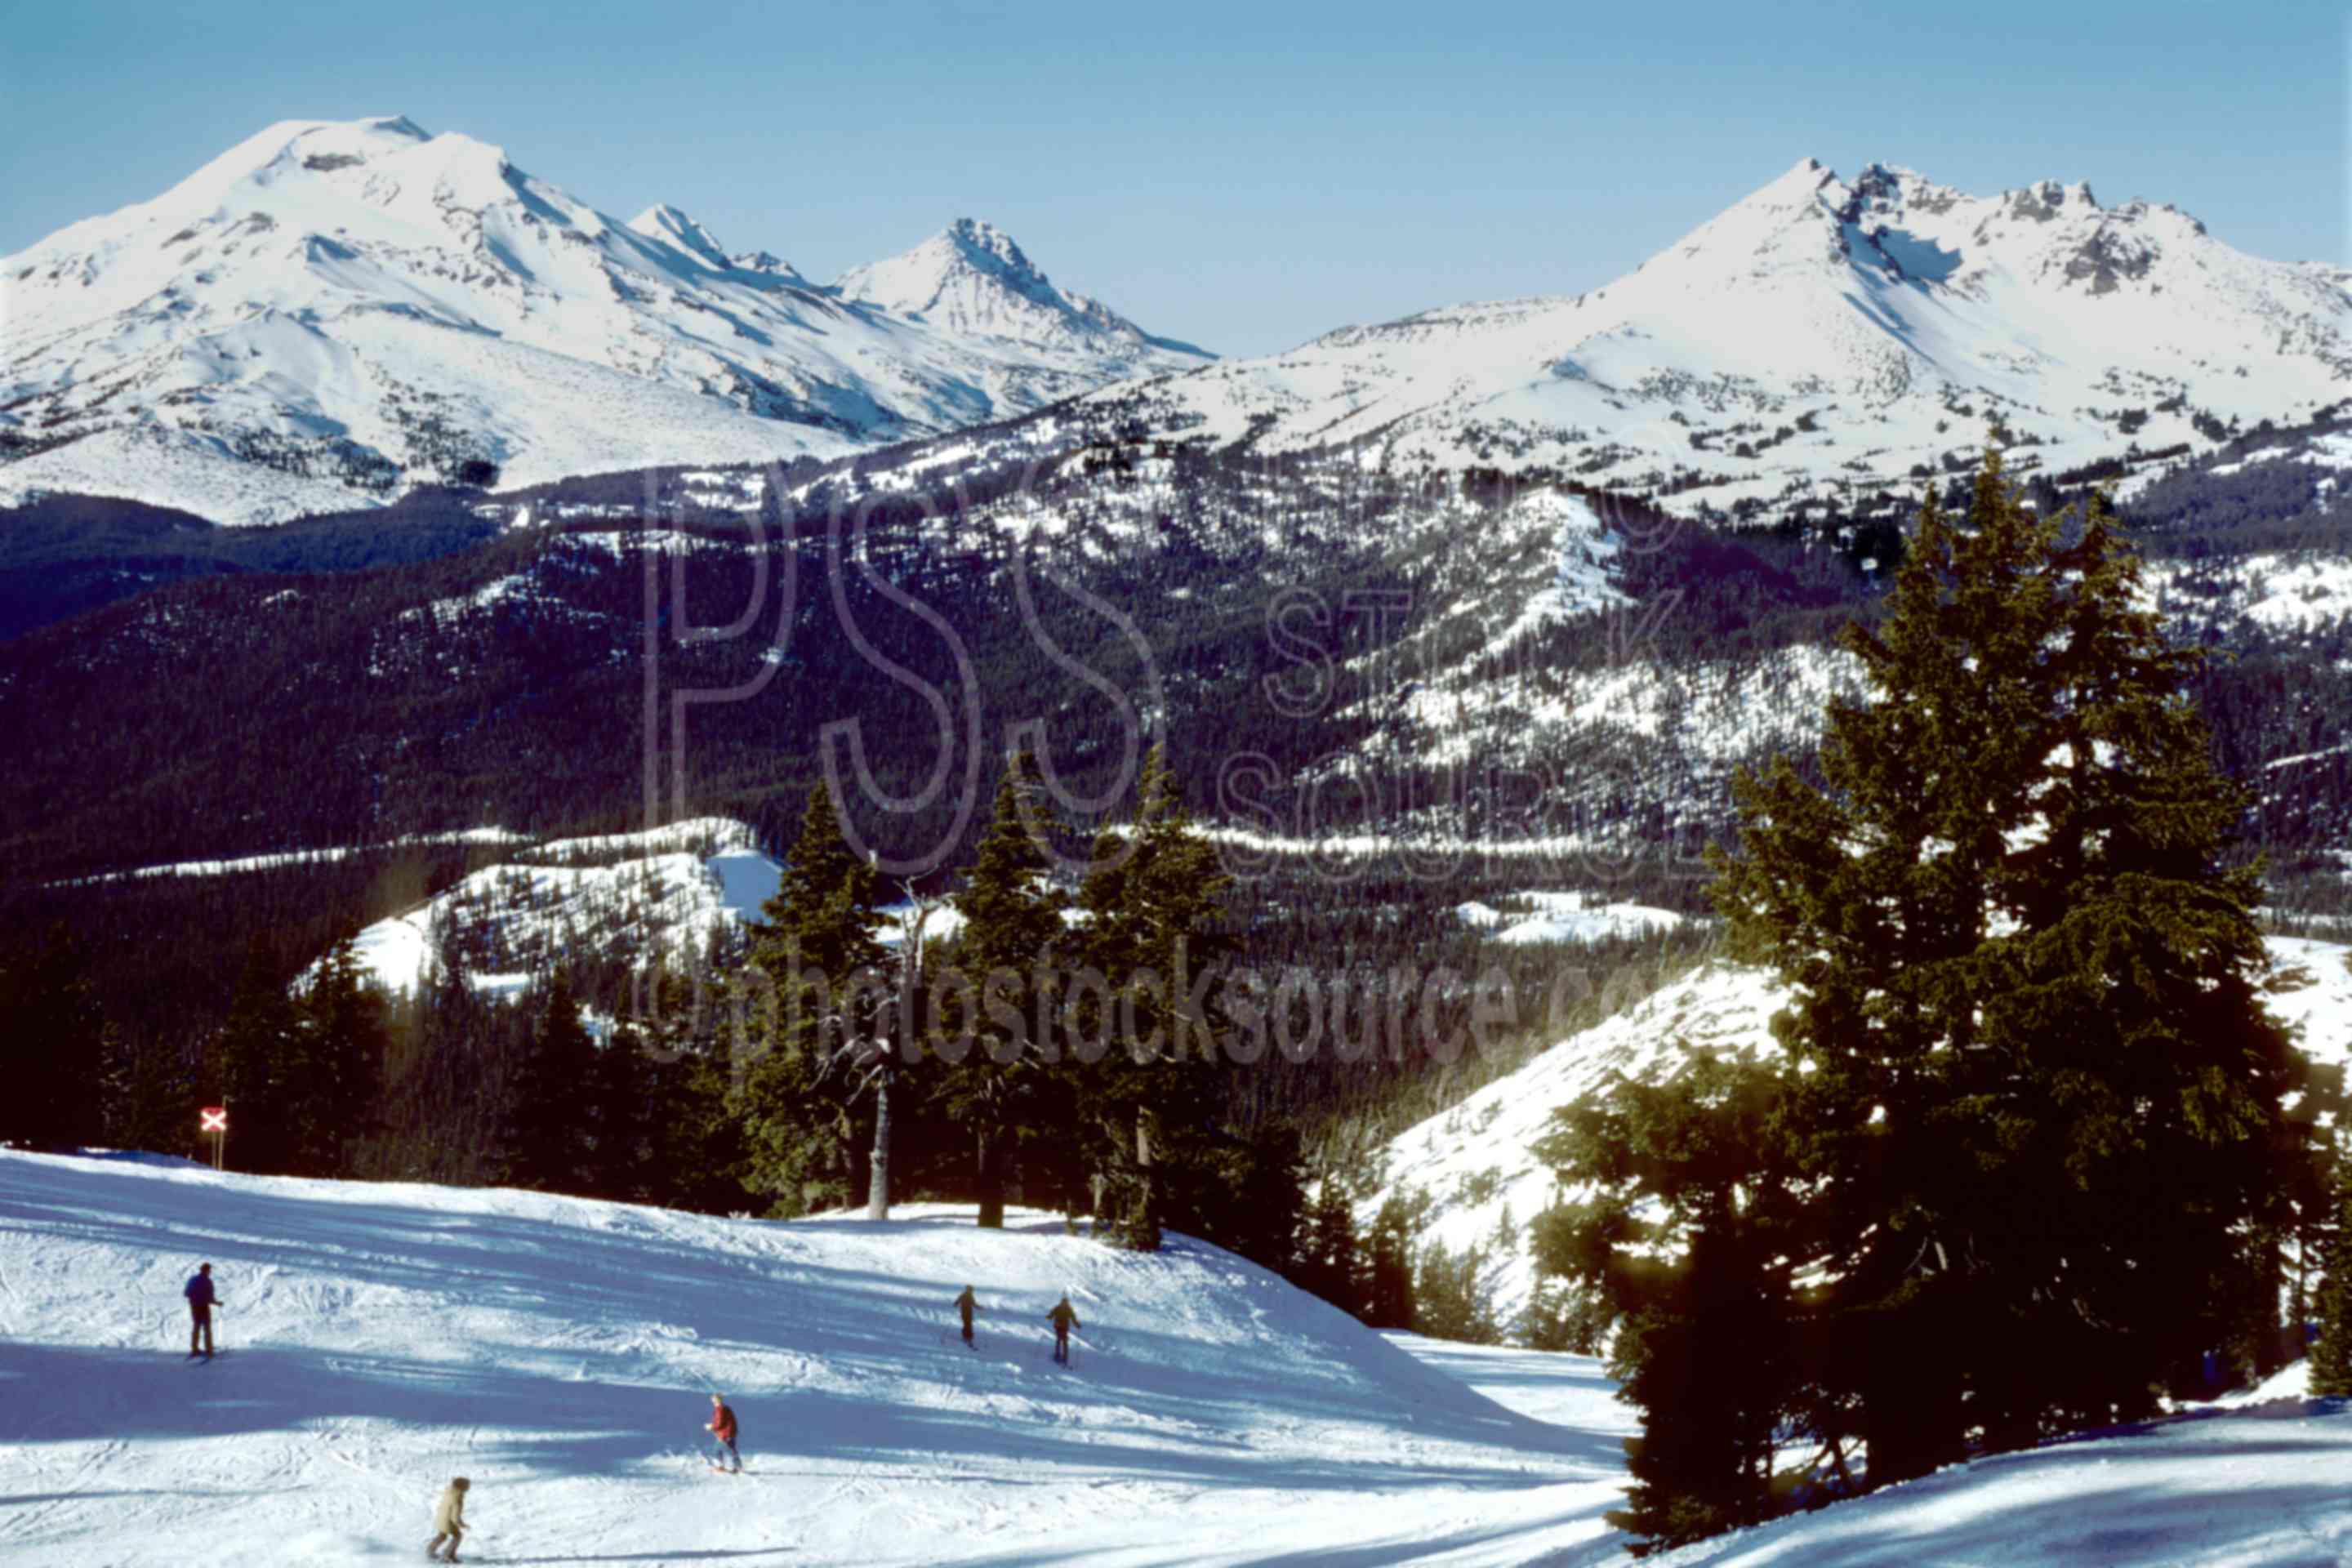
column 1823, row 339
column 331, row 312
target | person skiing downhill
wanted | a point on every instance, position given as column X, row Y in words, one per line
column 721, row 1426
column 967, row 1304
column 201, row 1303
column 450, row 1520
column 1064, row 1317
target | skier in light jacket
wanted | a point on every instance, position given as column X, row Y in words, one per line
column 450, row 1520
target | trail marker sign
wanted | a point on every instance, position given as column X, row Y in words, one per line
column 215, row 1119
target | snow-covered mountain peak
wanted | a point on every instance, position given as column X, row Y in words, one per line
column 331, row 311
column 671, row 226
column 989, row 248
column 1827, row 342
column 973, row 277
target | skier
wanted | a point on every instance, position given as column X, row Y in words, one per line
column 966, row 1304
column 201, row 1303
column 450, row 1520
column 721, row 1426
column 1064, row 1317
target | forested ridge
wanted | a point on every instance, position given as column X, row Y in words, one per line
column 506, row 683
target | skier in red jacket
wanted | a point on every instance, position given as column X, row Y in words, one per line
column 721, row 1426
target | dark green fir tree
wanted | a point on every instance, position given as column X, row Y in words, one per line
column 998, row 1087
column 2034, row 1084
column 814, row 991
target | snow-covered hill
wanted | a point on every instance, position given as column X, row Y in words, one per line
column 1474, row 1162
column 332, row 311
column 1823, row 337
column 561, row 1354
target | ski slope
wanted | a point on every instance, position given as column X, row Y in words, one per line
column 561, row 1353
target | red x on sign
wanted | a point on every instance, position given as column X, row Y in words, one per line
column 215, row 1119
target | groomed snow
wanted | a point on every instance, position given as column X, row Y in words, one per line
column 561, row 1353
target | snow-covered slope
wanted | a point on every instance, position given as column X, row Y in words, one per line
column 561, row 1353
column 1474, row 1162
column 2231, row 1487
column 332, row 311
column 663, row 892
column 1822, row 338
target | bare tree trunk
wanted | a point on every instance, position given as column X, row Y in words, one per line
column 878, row 1175
column 990, row 1172
column 910, row 978
column 1143, row 1220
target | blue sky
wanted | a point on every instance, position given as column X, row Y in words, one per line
column 1242, row 176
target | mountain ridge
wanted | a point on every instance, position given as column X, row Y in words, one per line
column 1821, row 341
column 331, row 312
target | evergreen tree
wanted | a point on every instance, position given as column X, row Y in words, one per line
column 2034, row 1081
column 693, row 1138
column 549, row 1130
column 1389, row 1300
column 1154, row 912
column 820, row 995
column 150, row 1098
column 1330, row 1262
column 53, row 1047
column 251, row 1067
column 1691, row 1238
column 341, row 1044
column 1001, row 1092
column 2331, row 1354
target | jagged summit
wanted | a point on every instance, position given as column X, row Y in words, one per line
column 672, row 226
column 329, row 312
column 973, row 277
column 1823, row 339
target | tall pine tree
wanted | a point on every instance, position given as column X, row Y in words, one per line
column 1001, row 1092
column 819, row 991
column 251, row 1067
column 1154, row 906
column 2034, row 1082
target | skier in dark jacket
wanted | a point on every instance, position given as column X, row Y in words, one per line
column 721, row 1426
column 967, row 1304
column 201, row 1301
column 1064, row 1317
